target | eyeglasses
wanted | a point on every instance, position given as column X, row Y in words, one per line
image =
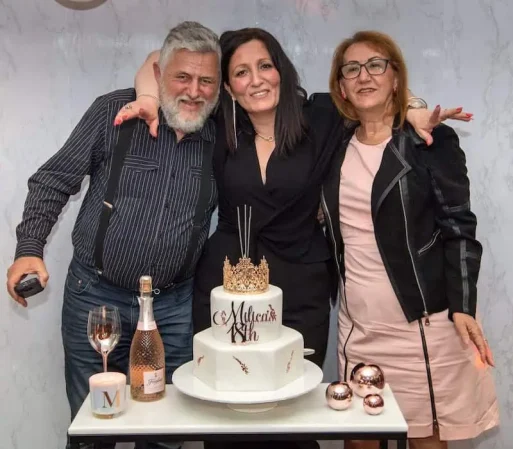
column 352, row 70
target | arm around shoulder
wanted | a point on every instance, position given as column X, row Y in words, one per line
column 145, row 83
column 147, row 102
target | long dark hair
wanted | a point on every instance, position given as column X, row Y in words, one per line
column 290, row 125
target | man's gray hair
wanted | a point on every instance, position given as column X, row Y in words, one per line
column 190, row 36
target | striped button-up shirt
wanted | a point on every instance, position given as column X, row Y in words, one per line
column 154, row 207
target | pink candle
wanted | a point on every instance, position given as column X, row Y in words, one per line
column 108, row 394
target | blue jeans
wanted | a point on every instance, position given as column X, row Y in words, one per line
column 84, row 290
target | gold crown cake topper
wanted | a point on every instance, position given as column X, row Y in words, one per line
column 245, row 277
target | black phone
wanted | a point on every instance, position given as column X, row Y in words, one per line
column 28, row 286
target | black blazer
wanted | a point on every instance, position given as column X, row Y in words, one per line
column 291, row 230
column 423, row 224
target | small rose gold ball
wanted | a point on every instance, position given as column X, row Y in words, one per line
column 373, row 404
column 368, row 379
column 339, row 395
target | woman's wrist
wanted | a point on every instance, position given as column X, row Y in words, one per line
column 149, row 95
column 417, row 103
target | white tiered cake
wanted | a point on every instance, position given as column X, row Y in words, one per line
column 247, row 348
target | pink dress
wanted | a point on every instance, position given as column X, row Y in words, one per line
column 373, row 328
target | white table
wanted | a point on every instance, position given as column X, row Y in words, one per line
column 177, row 417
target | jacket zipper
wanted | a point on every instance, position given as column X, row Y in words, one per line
column 426, row 317
column 425, row 313
column 429, row 244
column 429, row 378
column 341, row 283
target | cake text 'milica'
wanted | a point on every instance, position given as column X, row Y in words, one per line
column 241, row 321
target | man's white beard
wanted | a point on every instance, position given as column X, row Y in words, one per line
column 171, row 109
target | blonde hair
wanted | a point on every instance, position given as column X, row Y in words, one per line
column 384, row 44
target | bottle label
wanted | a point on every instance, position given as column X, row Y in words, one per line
column 146, row 326
column 154, row 381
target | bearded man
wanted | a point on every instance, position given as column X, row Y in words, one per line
column 147, row 210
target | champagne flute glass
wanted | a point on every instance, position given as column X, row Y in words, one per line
column 104, row 330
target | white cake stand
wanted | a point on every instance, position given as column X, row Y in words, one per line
column 250, row 401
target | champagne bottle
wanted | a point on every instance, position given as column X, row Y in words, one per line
column 147, row 357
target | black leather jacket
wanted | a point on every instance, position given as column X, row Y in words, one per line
column 423, row 224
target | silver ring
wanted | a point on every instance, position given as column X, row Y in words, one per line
column 128, row 106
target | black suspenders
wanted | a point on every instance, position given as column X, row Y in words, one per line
column 120, row 151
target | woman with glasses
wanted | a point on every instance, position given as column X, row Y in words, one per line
column 403, row 237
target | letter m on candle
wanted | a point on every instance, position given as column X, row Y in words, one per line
column 107, row 399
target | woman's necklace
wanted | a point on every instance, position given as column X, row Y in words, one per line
column 267, row 139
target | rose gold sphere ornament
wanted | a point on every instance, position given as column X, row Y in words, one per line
column 368, row 379
column 373, row 404
column 353, row 374
column 339, row 395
